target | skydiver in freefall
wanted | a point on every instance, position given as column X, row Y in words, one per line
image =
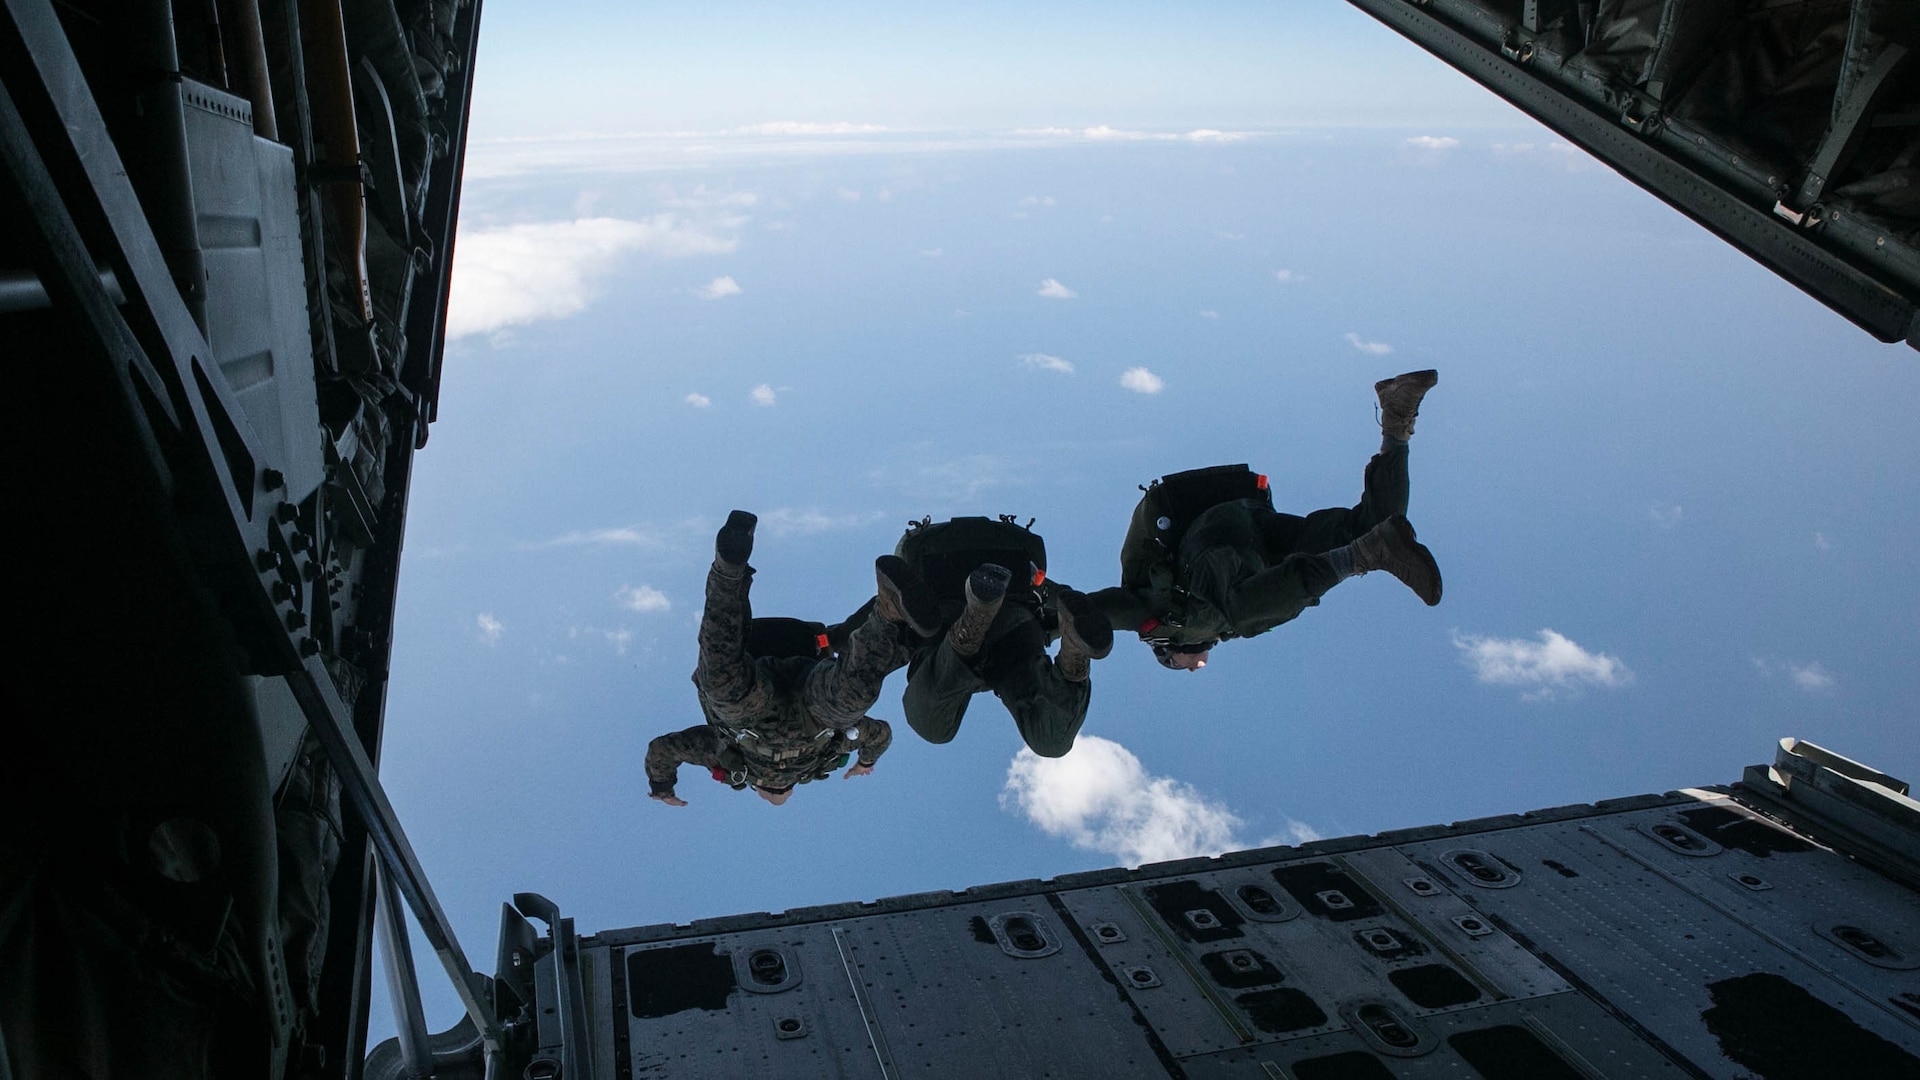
column 998, row 614
column 1207, row 558
column 776, row 722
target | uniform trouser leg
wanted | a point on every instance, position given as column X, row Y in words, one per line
column 733, row 685
column 840, row 691
column 1383, row 495
column 939, row 686
column 1046, row 708
column 1256, row 588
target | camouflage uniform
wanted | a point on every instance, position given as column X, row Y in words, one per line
column 1243, row 569
column 774, row 755
column 776, row 720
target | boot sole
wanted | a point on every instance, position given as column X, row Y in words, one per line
column 994, row 581
column 1090, row 627
column 736, row 538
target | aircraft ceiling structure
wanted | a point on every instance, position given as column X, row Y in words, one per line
column 1790, row 128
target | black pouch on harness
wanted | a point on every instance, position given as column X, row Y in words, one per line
column 945, row 553
column 1173, row 502
column 777, row 638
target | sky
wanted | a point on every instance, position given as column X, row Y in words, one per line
column 880, row 263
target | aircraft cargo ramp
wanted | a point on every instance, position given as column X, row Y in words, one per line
column 1768, row 928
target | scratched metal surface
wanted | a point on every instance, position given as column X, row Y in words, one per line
column 1589, row 938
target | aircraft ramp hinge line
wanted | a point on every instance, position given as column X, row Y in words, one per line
column 1180, row 957
column 875, row 1037
column 158, row 322
column 1739, row 920
column 1645, row 156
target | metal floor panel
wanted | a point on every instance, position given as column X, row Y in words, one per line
column 908, row 994
column 1679, row 936
column 1652, row 930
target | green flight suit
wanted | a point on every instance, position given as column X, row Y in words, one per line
column 1243, row 569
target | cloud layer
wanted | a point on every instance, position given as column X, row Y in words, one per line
column 1099, row 797
column 1552, row 663
column 642, row 598
column 1053, row 290
column 1371, row 348
column 717, row 288
column 1141, row 381
column 550, row 270
column 1047, row 363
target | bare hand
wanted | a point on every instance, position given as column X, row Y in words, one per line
column 668, row 799
column 857, row 770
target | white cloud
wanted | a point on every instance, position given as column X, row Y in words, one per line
column 699, row 401
column 1666, row 515
column 934, row 253
column 1561, row 156
column 622, row 536
column 1099, row 797
column 1811, row 677
column 1103, row 133
column 1371, row 348
column 1037, row 200
column 491, row 629
column 1209, row 314
column 1433, row 142
column 705, row 198
column 642, row 598
column 519, row 274
column 1053, row 290
column 787, row 521
column 801, row 127
column 1141, row 381
column 1554, row 662
column 1287, row 277
column 848, row 194
column 762, row 395
column 1047, row 363
column 717, row 288
column 1820, row 541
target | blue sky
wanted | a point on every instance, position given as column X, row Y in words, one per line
column 1672, row 496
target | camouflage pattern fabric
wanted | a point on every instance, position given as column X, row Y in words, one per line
column 767, row 756
column 774, row 722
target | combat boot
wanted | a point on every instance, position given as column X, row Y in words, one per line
column 1400, row 401
column 986, row 590
column 1085, row 635
column 1392, row 546
column 733, row 545
column 900, row 596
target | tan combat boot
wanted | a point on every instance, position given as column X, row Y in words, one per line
column 1085, row 635
column 899, row 596
column 1400, row 401
column 986, row 589
column 1392, row 546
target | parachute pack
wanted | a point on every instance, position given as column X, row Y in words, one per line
column 1173, row 502
column 946, row 552
column 777, row 638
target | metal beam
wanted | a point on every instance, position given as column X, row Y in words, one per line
column 1648, row 160
column 214, row 433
